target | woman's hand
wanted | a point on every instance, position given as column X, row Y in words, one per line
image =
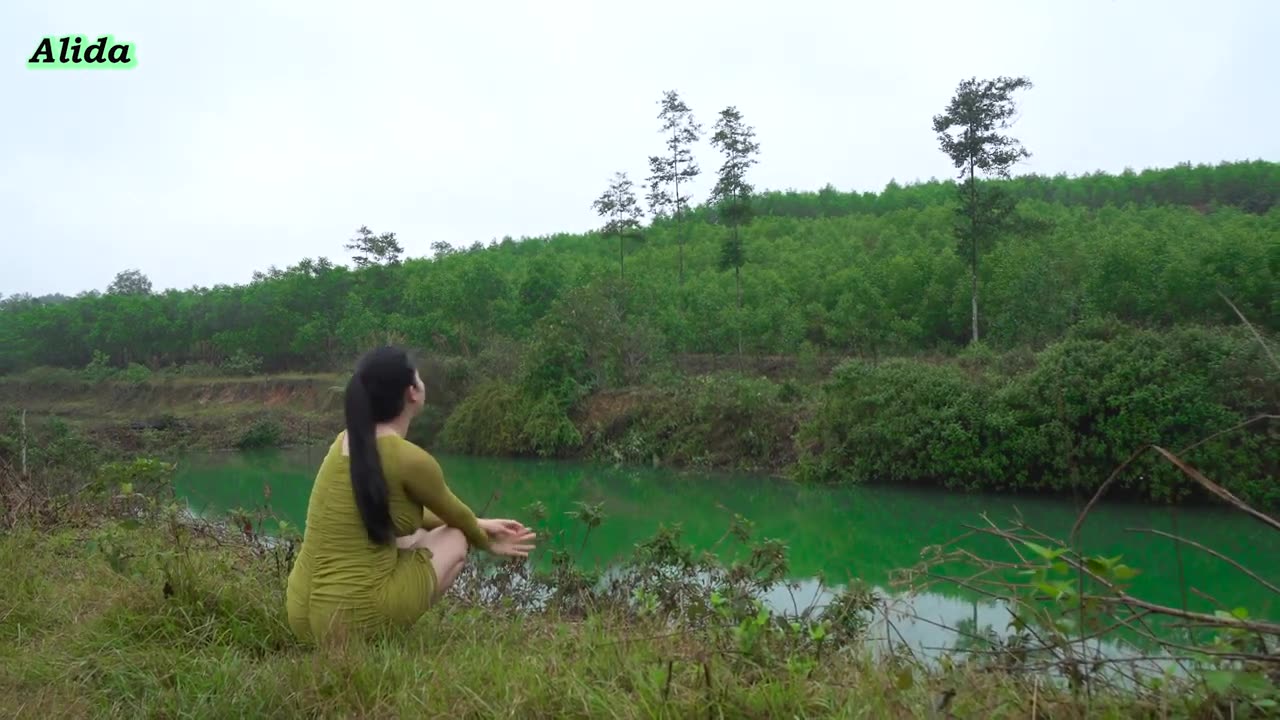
column 508, row 537
column 502, row 528
column 406, row 542
column 516, row 544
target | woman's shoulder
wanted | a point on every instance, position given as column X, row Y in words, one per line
column 410, row 455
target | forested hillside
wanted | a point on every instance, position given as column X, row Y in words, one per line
column 831, row 272
column 1103, row 327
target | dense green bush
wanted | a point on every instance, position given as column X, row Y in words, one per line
column 905, row 421
column 135, row 374
column 1107, row 399
column 723, row 420
column 501, row 418
column 1063, row 425
column 242, row 363
column 263, row 434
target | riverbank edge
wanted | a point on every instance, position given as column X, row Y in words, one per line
column 101, row 629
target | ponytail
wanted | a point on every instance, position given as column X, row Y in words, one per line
column 367, row 481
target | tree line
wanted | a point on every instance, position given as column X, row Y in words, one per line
column 872, row 274
column 853, row 284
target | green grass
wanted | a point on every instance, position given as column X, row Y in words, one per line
column 79, row 638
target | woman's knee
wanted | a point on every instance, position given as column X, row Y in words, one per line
column 448, row 541
column 446, row 533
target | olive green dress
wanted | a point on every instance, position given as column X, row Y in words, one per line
column 340, row 578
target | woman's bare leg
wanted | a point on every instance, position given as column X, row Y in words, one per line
column 448, row 548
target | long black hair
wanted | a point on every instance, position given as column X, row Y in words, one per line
column 375, row 394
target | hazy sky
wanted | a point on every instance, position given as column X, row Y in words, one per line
column 259, row 133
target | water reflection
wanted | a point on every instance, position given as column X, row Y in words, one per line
column 833, row 535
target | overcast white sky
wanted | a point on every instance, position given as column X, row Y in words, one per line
column 254, row 133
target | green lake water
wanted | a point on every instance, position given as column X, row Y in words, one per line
column 838, row 533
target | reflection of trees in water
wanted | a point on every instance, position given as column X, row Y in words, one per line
column 841, row 534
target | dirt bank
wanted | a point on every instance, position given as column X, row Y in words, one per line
column 185, row 413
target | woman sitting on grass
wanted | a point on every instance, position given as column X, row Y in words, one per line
column 385, row 537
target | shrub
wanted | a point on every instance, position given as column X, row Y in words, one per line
column 546, row 429
column 242, row 363
column 99, row 368
column 262, row 434
column 904, row 422
column 486, row 423
column 1080, row 410
column 135, row 374
column 501, row 418
column 1107, row 399
column 723, row 420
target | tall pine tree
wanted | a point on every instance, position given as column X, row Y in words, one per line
column 622, row 215
column 668, row 172
column 969, row 133
column 369, row 249
column 732, row 193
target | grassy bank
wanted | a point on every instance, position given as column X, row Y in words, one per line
column 103, row 621
column 117, row 604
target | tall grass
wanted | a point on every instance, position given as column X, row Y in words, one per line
column 81, row 638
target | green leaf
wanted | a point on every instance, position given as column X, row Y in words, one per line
column 131, row 524
column 126, row 488
column 1097, row 566
column 1124, row 572
column 1241, row 613
column 1049, row 590
column 1219, row 681
column 1253, row 683
column 1061, row 567
column 1042, row 551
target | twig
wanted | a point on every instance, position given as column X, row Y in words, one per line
column 1123, row 597
column 1233, row 428
column 897, row 632
column 1075, row 529
column 1212, row 552
column 1035, row 700
column 1266, row 348
column 1217, row 489
column 1208, row 597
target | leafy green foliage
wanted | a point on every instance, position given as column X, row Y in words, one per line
column 130, row 282
column 264, row 433
column 850, row 273
column 370, row 249
column 242, row 363
column 1062, row 425
column 1061, row 600
column 500, row 418
column 723, row 421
